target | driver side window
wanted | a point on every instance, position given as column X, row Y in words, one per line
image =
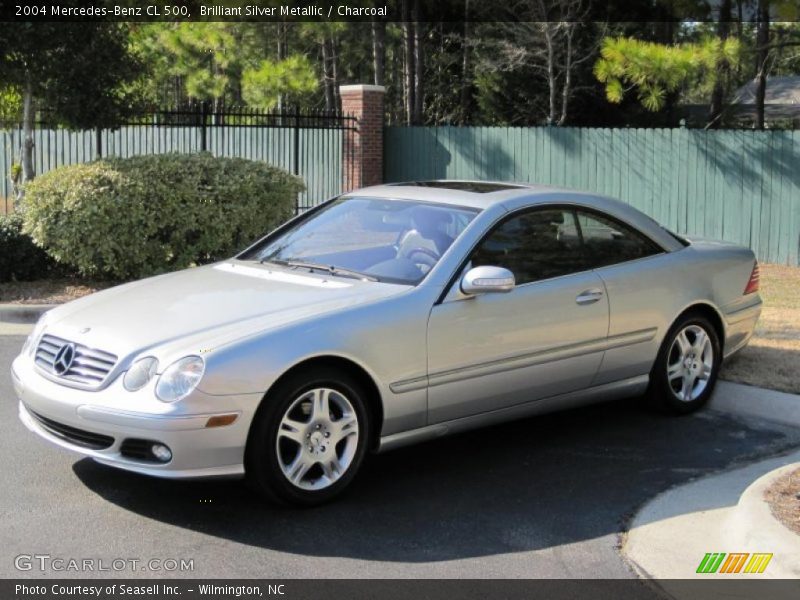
column 535, row 245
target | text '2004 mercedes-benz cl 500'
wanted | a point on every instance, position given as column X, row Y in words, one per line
column 382, row 317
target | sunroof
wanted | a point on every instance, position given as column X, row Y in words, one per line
column 477, row 187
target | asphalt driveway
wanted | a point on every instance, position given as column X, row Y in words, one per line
column 545, row 497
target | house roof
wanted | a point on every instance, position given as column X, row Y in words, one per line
column 780, row 90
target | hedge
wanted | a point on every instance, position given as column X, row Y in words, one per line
column 135, row 217
column 20, row 258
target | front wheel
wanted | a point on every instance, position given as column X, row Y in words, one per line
column 308, row 439
column 687, row 365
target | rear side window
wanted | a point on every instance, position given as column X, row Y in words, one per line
column 608, row 242
column 535, row 245
column 543, row 243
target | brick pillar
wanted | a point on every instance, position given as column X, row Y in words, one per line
column 362, row 160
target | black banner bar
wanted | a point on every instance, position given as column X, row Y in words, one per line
column 714, row 588
column 364, row 11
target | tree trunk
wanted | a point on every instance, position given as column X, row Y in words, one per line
column 740, row 21
column 408, row 64
column 281, row 54
column 466, row 87
column 27, row 133
column 762, row 40
column 217, row 100
column 394, row 85
column 551, row 71
column 417, row 66
column 327, row 77
column 378, row 51
column 566, row 88
column 335, row 73
column 718, row 95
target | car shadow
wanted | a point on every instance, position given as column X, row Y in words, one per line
column 534, row 483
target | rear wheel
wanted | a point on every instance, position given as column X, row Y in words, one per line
column 687, row 365
column 309, row 439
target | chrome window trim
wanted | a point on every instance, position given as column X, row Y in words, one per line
column 573, row 206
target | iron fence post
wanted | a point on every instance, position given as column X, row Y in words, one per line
column 98, row 142
column 296, row 157
column 203, row 118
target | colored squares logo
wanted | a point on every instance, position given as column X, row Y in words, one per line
column 734, row 562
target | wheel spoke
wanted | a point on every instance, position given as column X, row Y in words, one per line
column 700, row 341
column 344, row 427
column 675, row 370
column 291, row 429
column 332, row 468
column 688, row 386
column 683, row 344
column 705, row 373
column 297, row 470
column 321, row 411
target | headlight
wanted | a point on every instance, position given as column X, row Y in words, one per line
column 140, row 373
column 180, row 378
column 30, row 342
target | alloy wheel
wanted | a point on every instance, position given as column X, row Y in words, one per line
column 690, row 363
column 317, row 439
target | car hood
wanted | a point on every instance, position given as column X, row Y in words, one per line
column 230, row 299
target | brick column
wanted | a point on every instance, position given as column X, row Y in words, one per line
column 362, row 160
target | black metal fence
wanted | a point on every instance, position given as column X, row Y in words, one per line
column 316, row 145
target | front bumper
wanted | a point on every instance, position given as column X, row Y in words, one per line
column 198, row 451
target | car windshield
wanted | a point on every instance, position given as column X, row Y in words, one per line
column 397, row 241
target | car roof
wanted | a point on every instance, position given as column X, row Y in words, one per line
column 457, row 192
column 512, row 196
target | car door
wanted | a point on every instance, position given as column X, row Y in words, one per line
column 544, row 338
column 638, row 274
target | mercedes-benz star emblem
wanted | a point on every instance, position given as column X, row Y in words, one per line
column 64, row 358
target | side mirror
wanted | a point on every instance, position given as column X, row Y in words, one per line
column 487, row 280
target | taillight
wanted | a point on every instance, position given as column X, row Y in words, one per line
column 752, row 284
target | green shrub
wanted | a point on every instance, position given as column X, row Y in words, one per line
column 134, row 217
column 20, row 258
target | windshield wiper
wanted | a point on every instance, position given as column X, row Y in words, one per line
column 332, row 269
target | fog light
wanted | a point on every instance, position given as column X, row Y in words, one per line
column 161, row 452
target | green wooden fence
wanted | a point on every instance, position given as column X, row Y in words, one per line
column 308, row 143
column 741, row 186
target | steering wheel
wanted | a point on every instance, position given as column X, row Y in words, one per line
column 422, row 256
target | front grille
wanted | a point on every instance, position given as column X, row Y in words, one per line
column 89, row 367
column 73, row 435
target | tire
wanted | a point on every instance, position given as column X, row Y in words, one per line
column 297, row 456
column 686, row 368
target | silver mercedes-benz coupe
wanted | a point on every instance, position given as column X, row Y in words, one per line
column 382, row 317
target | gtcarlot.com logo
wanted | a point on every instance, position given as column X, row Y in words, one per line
column 47, row 563
column 734, row 562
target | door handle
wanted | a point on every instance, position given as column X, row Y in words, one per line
column 589, row 296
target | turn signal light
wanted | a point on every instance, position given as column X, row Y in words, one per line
column 221, row 420
column 752, row 284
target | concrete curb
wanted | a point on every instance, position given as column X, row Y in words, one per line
column 724, row 512
column 749, row 401
column 752, row 525
column 23, row 313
